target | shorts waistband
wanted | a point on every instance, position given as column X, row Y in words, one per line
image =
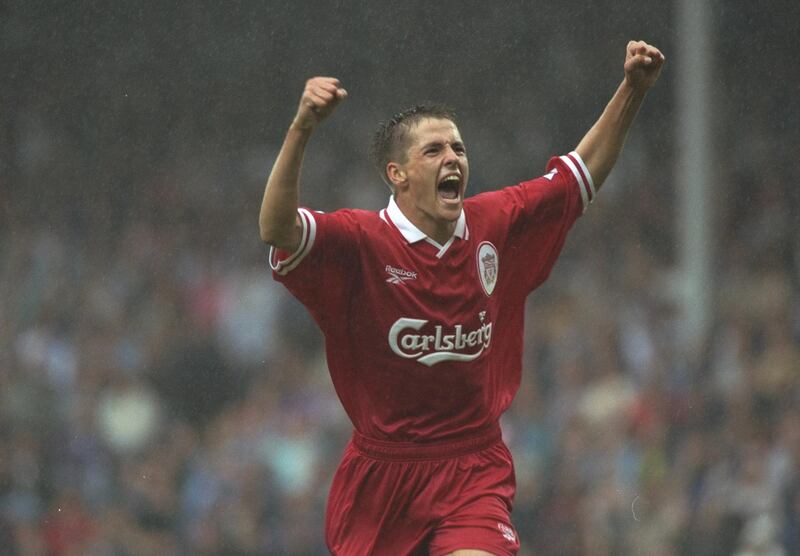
column 416, row 451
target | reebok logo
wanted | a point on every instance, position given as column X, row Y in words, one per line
column 399, row 275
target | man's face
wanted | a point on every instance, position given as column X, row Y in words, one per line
column 436, row 172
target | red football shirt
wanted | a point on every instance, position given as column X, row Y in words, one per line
column 424, row 341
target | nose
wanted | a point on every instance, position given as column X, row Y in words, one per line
column 450, row 155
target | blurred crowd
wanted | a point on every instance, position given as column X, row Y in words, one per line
column 160, row 394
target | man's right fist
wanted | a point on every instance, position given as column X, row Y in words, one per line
column 320, row 98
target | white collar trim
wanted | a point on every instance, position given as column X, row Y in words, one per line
column 412, row 234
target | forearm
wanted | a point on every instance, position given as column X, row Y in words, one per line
column 603, row 143
column 278, row 221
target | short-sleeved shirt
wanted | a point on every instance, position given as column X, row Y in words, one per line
column 424, row 341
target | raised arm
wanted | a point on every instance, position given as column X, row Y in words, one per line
column 278, row 221
column 602, row 145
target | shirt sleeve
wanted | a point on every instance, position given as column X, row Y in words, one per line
column 538, row 214
column 324, row 262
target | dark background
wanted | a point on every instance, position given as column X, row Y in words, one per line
column 160, row 394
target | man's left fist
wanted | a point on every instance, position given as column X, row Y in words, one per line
column 643, row 63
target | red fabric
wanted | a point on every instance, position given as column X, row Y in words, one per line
column 424, row 348
column 348, row 281
column 434, row 507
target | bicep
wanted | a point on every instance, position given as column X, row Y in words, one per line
column 548, row 208
column 290, row 242
column 327, row 251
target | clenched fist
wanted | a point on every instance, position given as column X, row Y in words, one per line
column 320, row 98
column 643, row 64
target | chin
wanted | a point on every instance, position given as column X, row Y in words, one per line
column 451, row 212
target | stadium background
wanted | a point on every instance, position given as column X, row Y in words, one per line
column 159, row 394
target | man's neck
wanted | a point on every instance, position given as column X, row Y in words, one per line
column 441, row 234
column 439, row 230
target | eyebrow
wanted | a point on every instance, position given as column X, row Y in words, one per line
column 441, row 144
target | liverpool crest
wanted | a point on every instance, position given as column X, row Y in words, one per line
column 488, row 266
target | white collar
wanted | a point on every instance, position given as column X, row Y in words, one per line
column 414, row 234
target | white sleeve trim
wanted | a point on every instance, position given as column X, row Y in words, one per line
column 579, row 170
column 286, row 265
column 586, row 173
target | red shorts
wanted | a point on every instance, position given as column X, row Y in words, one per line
column 411, row 499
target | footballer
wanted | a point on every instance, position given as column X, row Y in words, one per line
column 421, row 305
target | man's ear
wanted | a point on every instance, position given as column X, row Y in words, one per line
column 396, row 175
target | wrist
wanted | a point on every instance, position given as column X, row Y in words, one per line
column 304, row 120
column 302, row 126
column 633, row 89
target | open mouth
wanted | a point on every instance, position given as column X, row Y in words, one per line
column 449, row 187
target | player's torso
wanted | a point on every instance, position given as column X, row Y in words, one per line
column 422, row 330
column 432, row 309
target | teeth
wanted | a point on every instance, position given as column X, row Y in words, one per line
column 449, row 186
